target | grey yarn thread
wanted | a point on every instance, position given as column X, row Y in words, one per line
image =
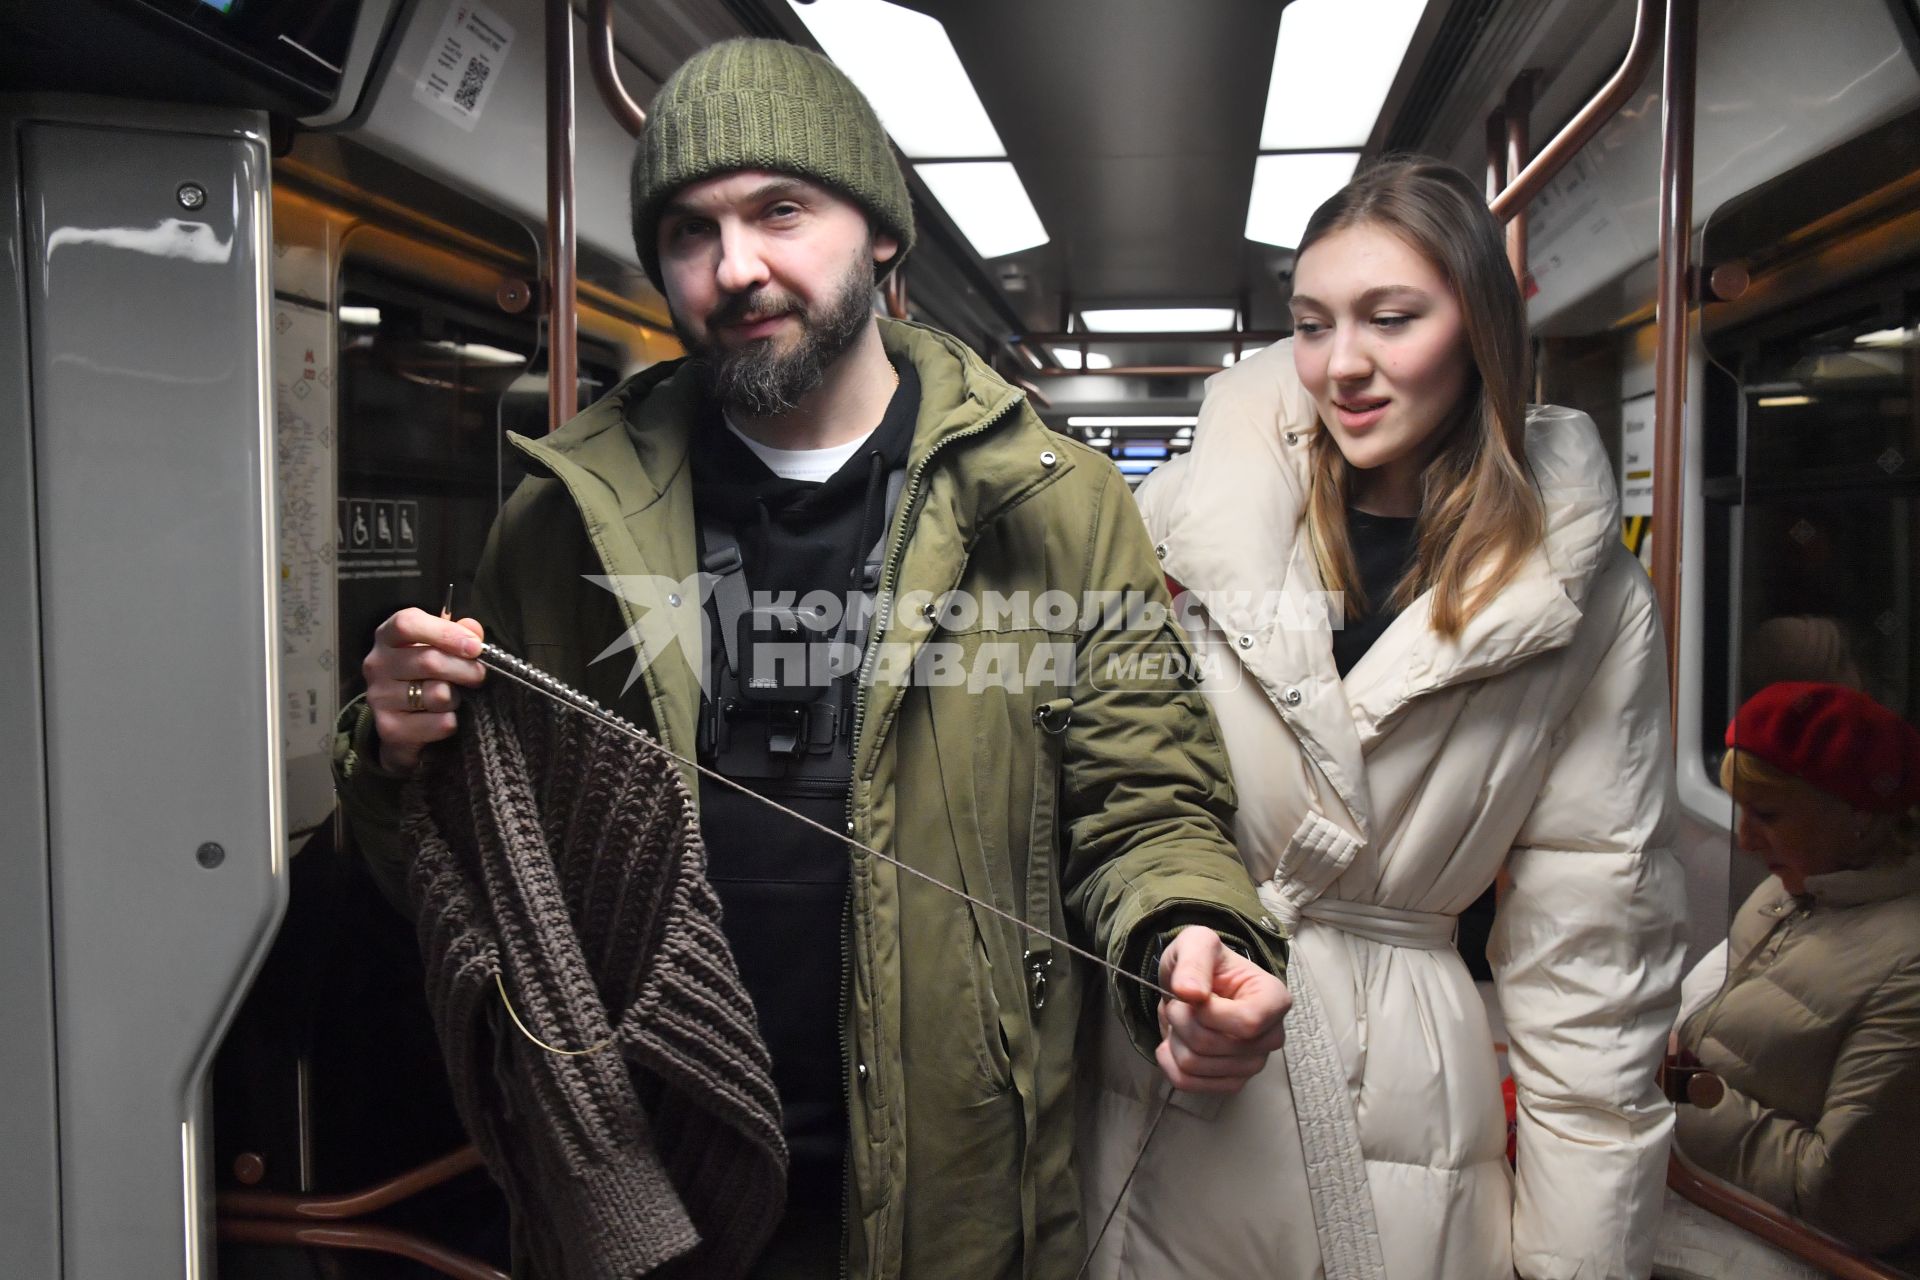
column 524, row 672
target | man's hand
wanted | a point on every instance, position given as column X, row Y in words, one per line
column 415, row 649
column 1218, row 1034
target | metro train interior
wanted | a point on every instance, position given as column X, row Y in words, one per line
column 282, row 276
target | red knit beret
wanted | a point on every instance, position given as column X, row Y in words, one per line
column 1835, row 738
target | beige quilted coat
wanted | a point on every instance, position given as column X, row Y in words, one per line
column 1372, row 811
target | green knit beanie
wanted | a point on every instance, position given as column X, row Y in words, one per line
column 765, row 104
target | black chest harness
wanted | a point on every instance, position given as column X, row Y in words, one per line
column 779, row 712
column 780, row 705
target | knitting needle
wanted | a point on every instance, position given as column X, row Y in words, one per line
column 446, row 608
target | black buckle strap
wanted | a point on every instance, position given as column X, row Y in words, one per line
column 730, row 597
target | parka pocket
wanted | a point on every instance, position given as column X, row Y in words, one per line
column 999, row 751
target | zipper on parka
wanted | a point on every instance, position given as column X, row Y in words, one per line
column 889, row 573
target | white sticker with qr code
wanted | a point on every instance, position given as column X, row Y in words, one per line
column 464, row 61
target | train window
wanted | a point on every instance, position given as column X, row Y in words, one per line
column 1814, row 514
column 1812, row 482
column 428, row 390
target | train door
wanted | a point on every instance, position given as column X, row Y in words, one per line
column 405, row 351
column 1808, row 528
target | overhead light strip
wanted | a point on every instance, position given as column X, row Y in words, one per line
column 1287, row 189
column 1124, row 420
column 1333, row 65
column 1069, row 358
column 909, row 70
column 988, row 202
column 1159, row 319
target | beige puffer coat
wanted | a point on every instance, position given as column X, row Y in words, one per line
column 1373, row 810
column 1816, row 1034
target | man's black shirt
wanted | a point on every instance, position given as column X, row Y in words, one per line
column 783, row 885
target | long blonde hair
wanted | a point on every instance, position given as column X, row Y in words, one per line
column 1479, row 514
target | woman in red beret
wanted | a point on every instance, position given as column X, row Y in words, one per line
column 1816, row 1029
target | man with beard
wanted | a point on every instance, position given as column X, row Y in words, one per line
column 804, row 462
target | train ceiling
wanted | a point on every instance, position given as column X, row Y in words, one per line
column 1134, row 126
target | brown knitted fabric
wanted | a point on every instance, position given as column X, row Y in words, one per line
column 565, row 857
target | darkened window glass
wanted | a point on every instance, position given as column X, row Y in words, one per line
column 428, row 390
column 1813, row 514
column 1812, row 529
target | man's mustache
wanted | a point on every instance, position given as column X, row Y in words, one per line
column 749, row 308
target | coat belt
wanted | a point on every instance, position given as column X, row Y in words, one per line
column 1389, row 926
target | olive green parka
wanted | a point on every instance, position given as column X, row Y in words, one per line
column 960, row 1067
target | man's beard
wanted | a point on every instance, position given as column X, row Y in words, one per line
column 757, row 380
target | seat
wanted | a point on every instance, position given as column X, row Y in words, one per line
column 330, row 1076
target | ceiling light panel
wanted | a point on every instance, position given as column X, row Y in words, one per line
column 987, row 201
column 1160, row 320
column 1287, row 189
column 1125, row 420
column 1332, row 68
column 907, row 67
column 1069, row 358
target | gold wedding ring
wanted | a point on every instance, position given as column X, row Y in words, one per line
column 416, row 696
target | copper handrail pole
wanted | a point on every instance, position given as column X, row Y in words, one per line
column 1031, row 354
column 1756, row 1217
column 401, row 1244
column 354, row 1204
column 1496, row 155
column 1519, row 108
column 1034, row 393
column 1525, row 185
column 1670, row 315
column 563, row 334
column 606, row 73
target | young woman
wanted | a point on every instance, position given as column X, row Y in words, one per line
column 1815, row 1028
column 1492, row 696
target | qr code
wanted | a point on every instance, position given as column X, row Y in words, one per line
column 471, row 82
